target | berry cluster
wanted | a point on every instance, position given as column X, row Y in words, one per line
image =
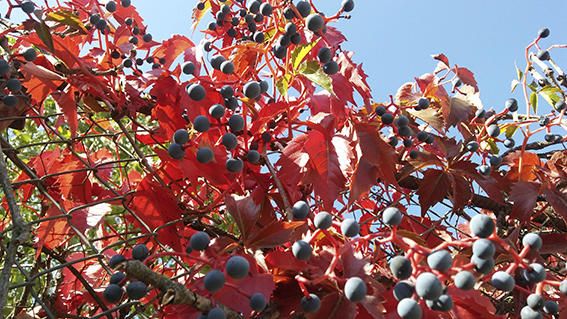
column 11, row 88
column 135, row 289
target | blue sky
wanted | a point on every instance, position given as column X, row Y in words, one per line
column 395, row 38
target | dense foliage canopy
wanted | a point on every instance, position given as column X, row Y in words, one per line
column 253, row 175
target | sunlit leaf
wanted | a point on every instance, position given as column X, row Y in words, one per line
column 312, row 70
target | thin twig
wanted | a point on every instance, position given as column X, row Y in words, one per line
column 280, row 187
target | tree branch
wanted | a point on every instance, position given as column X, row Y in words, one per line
column 20, row 232
column 174, row 292
column 534, row 146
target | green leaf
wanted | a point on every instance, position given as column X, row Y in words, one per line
column 283, row 84
column 533, row 101
column 493, row 147
column 312, row 70
column 519, row 73
column 510, row 130
column 301, row 52
column 533, row 86
column 551, row 94
column 43, row 33
column 67, row 18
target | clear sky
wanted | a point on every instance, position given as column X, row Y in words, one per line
column 395, row 38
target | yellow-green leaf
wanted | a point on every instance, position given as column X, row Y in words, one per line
column 510, row 130
column 67, row 18
column 551, row 94
column 533, row 101
column 493, row 147
column 519, row 73
column 301, row 52
column 283, row 84
column 312, row 70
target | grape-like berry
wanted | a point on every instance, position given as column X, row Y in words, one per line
column 237, row 267
column 392, row 216
column 216, row 313
column 300, row 210
column 403, row 289
column 443, row 303
column 140, row 252
column 483, row 248
column 355, row 289
column 311, row 303
column 481, row 226
column 323, row 220
column 113, row 293
column 214, row 280
column 199, row 241
column 501, row 280
column 401, row 267
column 428, row 286
column 409, row 309
column 136, row 290
column 440, row 260
column 258, row 302
column 464, row 280
column 350, row 227
column 532, row 240
column 115, row 260
column 301, row 250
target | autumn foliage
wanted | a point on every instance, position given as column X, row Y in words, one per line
column 260, row 156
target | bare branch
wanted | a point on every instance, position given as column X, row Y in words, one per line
column 174, row 292
column 20, row 232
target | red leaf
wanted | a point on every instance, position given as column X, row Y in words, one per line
column 523, row 166
column 66, row 101
column 245, row 210
column 335, row 306
column 237, row 295
column 432, row 233
column 457, row 110
column 180, row 312
column 354, row 75
column 472, row 304
column 173, row 47
column 325, row 172
column 467, row 77
column 71, row 293
column 52, row 233
column 524, row 195
column 156, row 206
column 553, row 243
column 275, row 234
column 433, row 188
column 461, row 192
column 324, row 102
column 442, row 58
column 90, row 217
column 558, row 201
column 64, row 48
column 376, row 161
